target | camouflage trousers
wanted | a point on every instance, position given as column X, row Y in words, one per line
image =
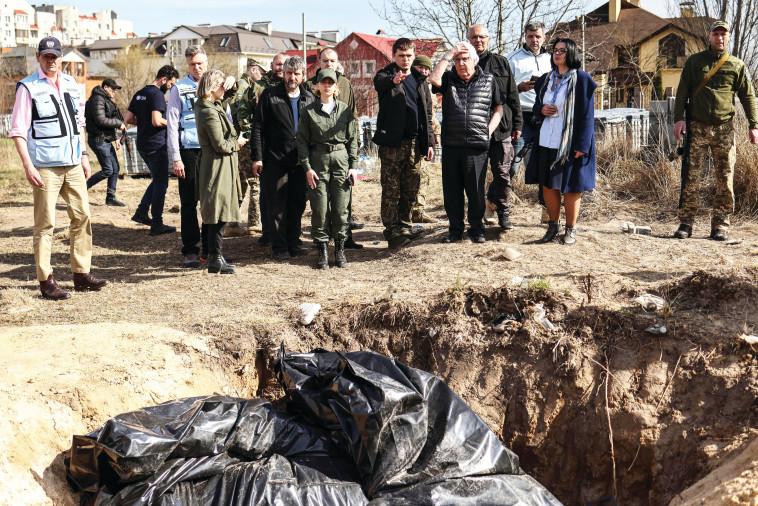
column 720, row 140
column 400, row 177
column 249, row 181
column 417, row 211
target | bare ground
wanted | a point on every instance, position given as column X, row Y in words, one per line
column 678, row 404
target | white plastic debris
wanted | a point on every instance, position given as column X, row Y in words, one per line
column 732, row 242
column 657, row 329
column 629, row 227
column 432, row 332
column 511, row 254
column 749, row 338
column 307, row 312
column 519, row 281
column 650, row 302
column 540, row 316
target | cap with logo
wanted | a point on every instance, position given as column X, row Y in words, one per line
column 324, row 73
column 111, row 84
column 719, row 24
column 423, row 61
column 50, row 45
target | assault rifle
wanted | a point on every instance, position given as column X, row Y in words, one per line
column 684, row 149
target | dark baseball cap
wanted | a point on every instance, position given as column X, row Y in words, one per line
column 50, row 45
column 324, row 73
column 111, row 84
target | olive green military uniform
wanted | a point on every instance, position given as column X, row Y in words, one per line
column 243, row 108
column 712, row 128
column 417, row 211
column 328, row 145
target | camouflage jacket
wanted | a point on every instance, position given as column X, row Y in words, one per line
column 244, row 103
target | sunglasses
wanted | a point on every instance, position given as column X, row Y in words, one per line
column 560, row 51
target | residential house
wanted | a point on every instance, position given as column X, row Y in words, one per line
column 109, row 49
column 363, row 55
column 229, row 46
column 634, row 55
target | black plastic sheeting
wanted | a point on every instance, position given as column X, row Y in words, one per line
column 359, row 428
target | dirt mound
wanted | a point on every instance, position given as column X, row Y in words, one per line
column 62, row 380
column 672, row 407
column 717, row 290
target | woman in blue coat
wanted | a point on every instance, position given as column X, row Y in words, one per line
column 564, row 160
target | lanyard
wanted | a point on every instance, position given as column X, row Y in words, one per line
column 558, row 88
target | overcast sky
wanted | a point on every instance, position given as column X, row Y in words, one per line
column 344, row 15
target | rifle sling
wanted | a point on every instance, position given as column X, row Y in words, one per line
column 715, row 69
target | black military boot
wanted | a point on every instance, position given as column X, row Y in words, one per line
column 504, row 220
column 217, row 264
column 339, row 253
column 554, row 228
column 683, row 232
column 323, row 255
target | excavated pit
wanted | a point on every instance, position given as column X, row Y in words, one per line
column 676, row 404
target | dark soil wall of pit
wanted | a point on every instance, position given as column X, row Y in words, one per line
column 677, row 403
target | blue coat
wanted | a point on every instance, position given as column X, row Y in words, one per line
column 578, row 173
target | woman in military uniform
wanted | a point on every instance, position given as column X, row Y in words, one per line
column 327, row 149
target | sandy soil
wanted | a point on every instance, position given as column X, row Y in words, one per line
column 160, row 331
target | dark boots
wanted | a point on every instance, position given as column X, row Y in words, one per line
column 85, row 281
column 51, row 290
column 323, row 255
column 339, row 253
column 554, row 228
column 504, row 220
column 218, row 264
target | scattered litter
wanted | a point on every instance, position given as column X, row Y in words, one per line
column 540, row 316
column 388, row 295
column 657, row 329
column 433, row 332
column 519, row 281
column 650, row 302
column 629, row 227
column 502, row 321
column 749, row 338
column 732, row 242
column 307, row 312
column 511, row 254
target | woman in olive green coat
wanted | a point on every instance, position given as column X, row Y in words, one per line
column 217, row 182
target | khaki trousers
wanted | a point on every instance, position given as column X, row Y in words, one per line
column 69, row 183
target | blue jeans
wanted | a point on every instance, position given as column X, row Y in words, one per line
column 155, row 194
column 108, row 160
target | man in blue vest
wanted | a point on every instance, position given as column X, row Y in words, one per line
column 47, row 127
column 185, row 150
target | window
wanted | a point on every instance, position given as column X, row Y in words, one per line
column 224, row 41
column 287, row 44
column 149, row 45
column 7, row 19
column 369, row 67
column 354, row 69
column 268, row 43
column 671, row 51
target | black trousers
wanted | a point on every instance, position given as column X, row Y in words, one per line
column 214, row 236
column 464, row 170
column 285, row 188
column 191, row 232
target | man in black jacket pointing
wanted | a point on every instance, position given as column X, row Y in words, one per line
column 104, row 123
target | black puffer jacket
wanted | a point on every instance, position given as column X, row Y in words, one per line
column 102, row 116
column 272, row 137
column 390, row 122
column 467, row 109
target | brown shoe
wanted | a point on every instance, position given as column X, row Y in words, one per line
column 84, row 281
column 51, row 290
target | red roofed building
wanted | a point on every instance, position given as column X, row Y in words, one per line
column 311, row 62
column 363, row 55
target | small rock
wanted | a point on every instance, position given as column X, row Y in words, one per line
column 629, row 227
column 650, row 302
column 732, row 242
column 307, row 311
column 644, row 231
column 657, row 329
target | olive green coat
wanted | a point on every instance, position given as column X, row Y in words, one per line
column 217, row 183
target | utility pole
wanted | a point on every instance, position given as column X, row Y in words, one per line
column 305, row 50
column 583, row 49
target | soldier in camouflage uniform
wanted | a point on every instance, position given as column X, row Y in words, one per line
column 423, row 64
column 712, row 128
column 243, row 108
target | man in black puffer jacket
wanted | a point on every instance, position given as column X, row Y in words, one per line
column 471, row 110
column 104, row 121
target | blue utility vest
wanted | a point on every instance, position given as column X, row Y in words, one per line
column 187, row 88
column 53, row 139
